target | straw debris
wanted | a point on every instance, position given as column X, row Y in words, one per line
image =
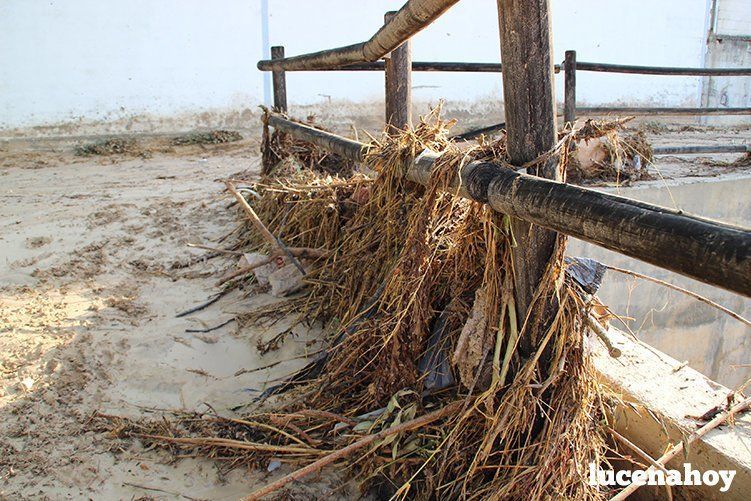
column 209, row 137
column 607, row 154
column 112, row 146
column 282, row 155
column 422, row 364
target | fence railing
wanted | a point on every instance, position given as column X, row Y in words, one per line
column 406, row 22
column 279, row 65
column 571, row 66
column 702, row 249
column 706, row 250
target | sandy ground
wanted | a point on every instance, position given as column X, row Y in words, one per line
column 92, row 272
column 94, row 268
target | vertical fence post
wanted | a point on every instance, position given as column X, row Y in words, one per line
column 529, row 100
column 569, row 87
column 569, row 94
column 399, row 84
column 280, row 81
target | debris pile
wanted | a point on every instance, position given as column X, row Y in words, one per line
column 210, row 137
column 433, row 384
column 113, row 146
column 614, row 157
column 282, row 155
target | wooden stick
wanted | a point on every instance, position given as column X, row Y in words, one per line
column 244, row 270
column 603, row 335
column 643, row 455
column 569, row 94
column 279, row 80
column 431, row 66
column 469, row 67
column 308, row 252
column 684, row 291
column 398, row 77
column 341, row 453
column 706, row 250
column 678, row 448
column 267, row 235
column 661, row 70
column 299, row 252
column 206, row 304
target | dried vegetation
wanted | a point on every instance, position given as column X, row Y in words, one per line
column 425, row 388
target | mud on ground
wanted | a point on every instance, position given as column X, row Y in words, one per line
column 94, row 268
column 95, row 265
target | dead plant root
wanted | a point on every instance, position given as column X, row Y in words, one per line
column 416, row 291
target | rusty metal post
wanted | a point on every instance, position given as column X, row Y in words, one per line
column 529, row 100
column 569, row 93
column 398, row 73
column 279, row 82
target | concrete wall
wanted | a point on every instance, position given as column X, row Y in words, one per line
column 728, row 45
column 142, row 61
column 710, row 341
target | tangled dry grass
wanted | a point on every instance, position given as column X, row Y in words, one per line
column 113, row 146
column 623, row 158
column 209, row 137
column 417, row 292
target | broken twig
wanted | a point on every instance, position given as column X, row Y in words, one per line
column 679, row 447
column 267, row 235
column 684, row 291
column 216, row 327
column 213, row 299
column 603, row 335
column 341, row 453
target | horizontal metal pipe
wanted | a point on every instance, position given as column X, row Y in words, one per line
column 604, row 110
column 468, row 67
column 410, row 19
column 471, row 134
column 687, row 150
column 660, row 70
column 348, row 148
column 703, row 249
column 424, row 66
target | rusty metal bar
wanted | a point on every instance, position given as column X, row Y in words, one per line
column 410, row 19
column 703, row 249
column 629, row 110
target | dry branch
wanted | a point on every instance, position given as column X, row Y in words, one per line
column 680, row 446
column 682, row 290
column 267, row 235
column 410, row 19
column 350, row 449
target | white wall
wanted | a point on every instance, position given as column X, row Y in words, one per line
column 89, row 60
column 68, row 60
column 666, row 33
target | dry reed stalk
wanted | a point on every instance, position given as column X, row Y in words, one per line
column 400, row 257
column 694, row 295
column 350, row 449
column 720, row 419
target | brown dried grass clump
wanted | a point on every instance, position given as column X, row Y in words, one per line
column 112, row 146
column 418, row 294
column 209, row 137
column 282, row 155
column 612, row 155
